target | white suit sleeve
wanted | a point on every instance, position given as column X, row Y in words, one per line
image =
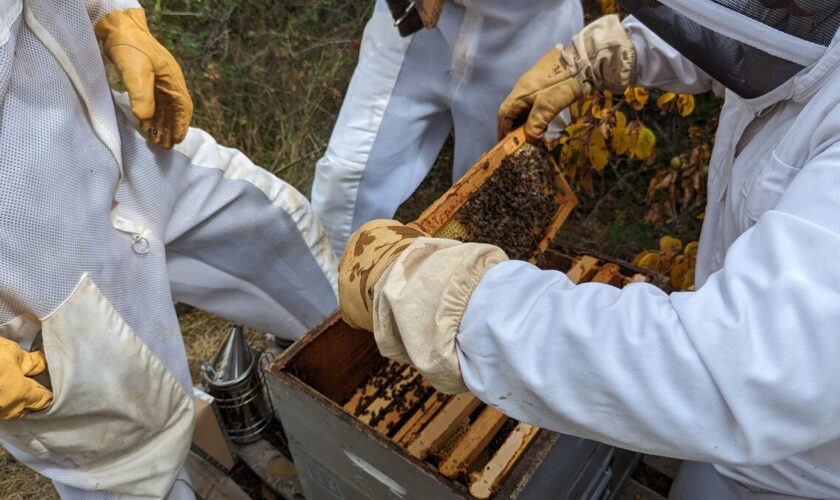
column 97, row 9
column 658, row 65
column 743, row 371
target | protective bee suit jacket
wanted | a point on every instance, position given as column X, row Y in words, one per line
column 407, row 94
column 100, row 232
column 743, row 372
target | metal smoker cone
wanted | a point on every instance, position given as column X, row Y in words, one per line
column 232, row 360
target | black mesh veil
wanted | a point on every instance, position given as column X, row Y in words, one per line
column 743, row 68
column 813, row 20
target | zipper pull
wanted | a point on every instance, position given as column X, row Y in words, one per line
column 140, row 244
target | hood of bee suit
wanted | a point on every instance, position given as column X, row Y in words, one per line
column 749, row 46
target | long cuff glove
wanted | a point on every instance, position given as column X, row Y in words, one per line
column 601, row 56
column 154, row 80
column 411, row 291
column 367, row 255
column 20, row 394
column 420, row 300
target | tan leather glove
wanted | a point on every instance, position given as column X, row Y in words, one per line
column 420, row 300
column 601, row 56
column 152, row 77
column 367, row 255
column 19, row 394
column 411, row 291
column 430, row 11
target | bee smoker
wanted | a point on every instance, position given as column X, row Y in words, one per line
column 234, row 379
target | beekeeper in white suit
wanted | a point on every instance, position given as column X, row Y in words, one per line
column 407, row 94
column 742, row 373
column 100, row 230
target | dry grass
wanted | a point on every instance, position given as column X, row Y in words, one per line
column 17, row 482
column 267, row 77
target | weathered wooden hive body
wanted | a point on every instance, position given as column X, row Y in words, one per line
column 361, row 426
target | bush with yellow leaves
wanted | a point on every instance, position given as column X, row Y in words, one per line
column 600, row 131
column 639, row 159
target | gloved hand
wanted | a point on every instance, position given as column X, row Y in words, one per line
column 417, row 291
column 19, row 394
column 602, row 56
column 368, row 252
column 152, row 77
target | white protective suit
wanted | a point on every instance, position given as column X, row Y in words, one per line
column 743, row 372
column 407, row 94
column 100, row 232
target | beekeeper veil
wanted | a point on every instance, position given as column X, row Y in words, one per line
column 749, row 46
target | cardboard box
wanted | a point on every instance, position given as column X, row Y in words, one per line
column 209, row 439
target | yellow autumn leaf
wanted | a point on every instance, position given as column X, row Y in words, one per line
column 632, row 132
column 679, row 273
column 642, row 94
column 597, row 111
column 575, row 128
column 665, row 99
column 638, row 258
column 688, row 281
column 585, row 107
column 620, row 119
column 599, row 155
column 620, row 140
column 645, row 144
column 691, row 250
column 670, row 244
column 685, row 104
column 574, row 109
column 649, row 260
column 636, row 97
column 629, row 97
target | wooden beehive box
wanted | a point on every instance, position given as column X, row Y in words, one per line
column 355, row 437
column 360, row 426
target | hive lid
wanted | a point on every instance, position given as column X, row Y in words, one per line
column 232, row 361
